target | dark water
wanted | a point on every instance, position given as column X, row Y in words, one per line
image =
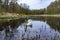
column 40, row 30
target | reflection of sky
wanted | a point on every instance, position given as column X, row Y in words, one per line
column 38, row 28
column 36, row 4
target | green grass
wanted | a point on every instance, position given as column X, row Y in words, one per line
column 12, row 17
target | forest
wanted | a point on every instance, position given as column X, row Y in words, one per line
column 12, row 6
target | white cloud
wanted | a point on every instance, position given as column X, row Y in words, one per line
column 36, row 4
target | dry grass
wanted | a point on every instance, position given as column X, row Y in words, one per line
column 9, row 14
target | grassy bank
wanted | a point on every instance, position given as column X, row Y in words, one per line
column 11, row 16
column 14, row 20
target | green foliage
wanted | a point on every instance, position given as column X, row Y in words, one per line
column 38, row 12
column 14, row 7
column 0, row 1
column 54, row 8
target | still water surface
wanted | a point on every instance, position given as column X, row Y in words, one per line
column 39, row 31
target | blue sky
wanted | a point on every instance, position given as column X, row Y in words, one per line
column 36, row 4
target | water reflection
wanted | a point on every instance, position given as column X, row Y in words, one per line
column 39, row 31
column 8, row 29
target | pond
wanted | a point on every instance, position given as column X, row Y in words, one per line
column 42, row 29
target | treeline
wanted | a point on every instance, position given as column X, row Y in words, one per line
column 11, row 6
column 38, row 12
column 54, row 7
